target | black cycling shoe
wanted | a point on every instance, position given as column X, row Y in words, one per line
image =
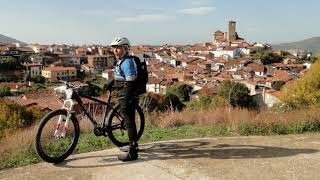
column 131, row 155
column 126, row 148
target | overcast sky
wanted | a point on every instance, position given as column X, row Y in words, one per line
column 157, row 22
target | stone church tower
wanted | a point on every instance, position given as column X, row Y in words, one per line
column 232, row 31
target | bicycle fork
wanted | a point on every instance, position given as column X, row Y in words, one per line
column 64, row 120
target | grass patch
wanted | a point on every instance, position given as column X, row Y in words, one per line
column 89, row 142
column 17, row 150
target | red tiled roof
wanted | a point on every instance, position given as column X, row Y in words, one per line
column 257, row 67
column 11, row 85
column 60, row 68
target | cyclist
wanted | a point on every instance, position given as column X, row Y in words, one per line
column 125, row 77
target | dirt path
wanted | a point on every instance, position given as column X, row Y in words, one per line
column 253, row 157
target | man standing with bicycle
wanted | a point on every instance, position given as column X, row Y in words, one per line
column 125, row 81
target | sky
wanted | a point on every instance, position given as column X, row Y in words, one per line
column 157, row 22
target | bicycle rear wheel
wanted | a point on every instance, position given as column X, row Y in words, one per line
column 57, row 136
column 116, row 129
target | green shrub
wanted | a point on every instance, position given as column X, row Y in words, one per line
column 4, row 91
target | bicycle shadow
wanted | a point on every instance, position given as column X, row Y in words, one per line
column 192, row 149
column 187, row 150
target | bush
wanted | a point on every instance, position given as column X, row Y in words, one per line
column 150, row 102
column 304, row 91
column 4, row 91
column 13, row 117
column 278, row 85
column 38, row 79
column 172, row 102
column 183, row 91
column 236, row 94
column 92, row 90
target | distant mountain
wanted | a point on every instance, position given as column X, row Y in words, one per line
column 311, row 44
column 5, row 39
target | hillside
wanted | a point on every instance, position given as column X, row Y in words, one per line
column 5, row 39
column 311, row 44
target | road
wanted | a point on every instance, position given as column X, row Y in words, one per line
column 245, row 157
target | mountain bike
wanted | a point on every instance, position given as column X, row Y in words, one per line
column 58, row 132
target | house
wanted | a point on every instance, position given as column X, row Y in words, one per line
column 186, row 61
column 6, row 58
column 240, row 74
column 14, row 87
column 52, row 74
column 32, row 69
column 44, row 100
column 99, row 63
column 38, row 49
column 229, row 52
column 36, row 59
column 81, row 51
column 270, row 98
column 259, row 70
column 70, row 60
column 206, row 65
column 293, row 68
column 157, row 85
column 175, row 62
column 143, row 53
column 103, row 51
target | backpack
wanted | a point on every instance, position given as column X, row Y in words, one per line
column 142, row 74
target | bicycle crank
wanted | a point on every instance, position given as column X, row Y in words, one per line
column 99, row 130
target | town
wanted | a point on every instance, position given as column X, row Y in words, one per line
column 204, row 66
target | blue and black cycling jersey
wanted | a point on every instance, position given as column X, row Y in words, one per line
column 126, row 69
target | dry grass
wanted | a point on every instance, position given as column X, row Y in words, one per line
column 234, row 119
column 211, row 116
column 20, row 139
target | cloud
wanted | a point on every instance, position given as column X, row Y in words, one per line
column 144, row 18
column 198, row 11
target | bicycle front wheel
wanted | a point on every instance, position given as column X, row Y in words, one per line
column 116, row 129
column 57, row 136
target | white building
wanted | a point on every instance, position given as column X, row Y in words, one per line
column 36, row 59
column 33, row 69
column 156, row 85
column 231, row 52
column 38, row 48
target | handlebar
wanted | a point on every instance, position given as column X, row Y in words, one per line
column 71, row 85
column 87, row 83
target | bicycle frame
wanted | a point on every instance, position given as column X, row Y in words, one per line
column 76, row 97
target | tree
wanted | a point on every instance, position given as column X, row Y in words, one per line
column 278, row 85
column 150, row 102
column 91, row 90
column 236, row 94
column 172, row 102
column 305, row 91
column 183, row 91
column 4, row 91
column 267, row 57
column 38, row 79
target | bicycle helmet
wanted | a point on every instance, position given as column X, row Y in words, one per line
column 120, row 41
